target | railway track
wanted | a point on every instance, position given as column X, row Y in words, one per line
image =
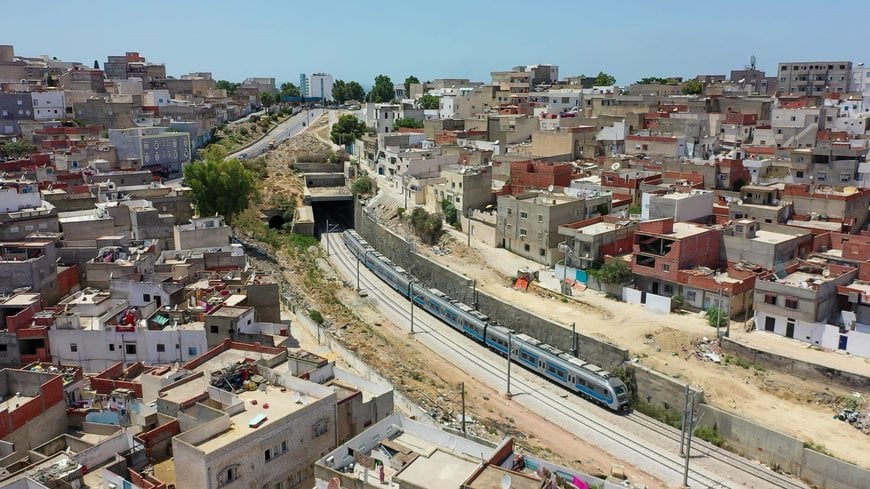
column 487, row 362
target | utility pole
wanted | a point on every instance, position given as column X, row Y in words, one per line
column 510, row 344
column 719, row 314
column 683, row 427
column 357, row 271
column 474, row 292
column 574, row 338
column 691, row 428
column 411, row 294
column 327, row 237
column 463, row 407
column 468, row 216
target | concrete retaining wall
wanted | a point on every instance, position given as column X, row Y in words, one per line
column 798, row 368
column 828, row 472
column 460, row 287
column 660, row 390
column 753, row 440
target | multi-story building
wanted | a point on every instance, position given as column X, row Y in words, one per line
column 770, row 245
column 465, row 187
column 528, row 223
column 682, row 206
column 266, row 437
column 14, row 107
column 762, row 203
column 799, row 302
column 589, row 241
column 261, row 85
column 48, row 105
column 153, row 147
column 23, row 212
column 663, row 247
column 33, row 410
column 202, row 232
column 669, row 146
column 541, row 74
column 403, row 453
column 84, row 80
column 848, row 205
column 316, row 85
column 814, row 77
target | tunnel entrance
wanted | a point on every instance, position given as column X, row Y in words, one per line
column 276, row 222
column 338, row 213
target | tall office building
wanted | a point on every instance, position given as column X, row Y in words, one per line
column 316, row 85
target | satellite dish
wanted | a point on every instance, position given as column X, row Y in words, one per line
column 334, row 483
column 505, row 482
column 550, row 188
column 826, row 272
column 615, row 166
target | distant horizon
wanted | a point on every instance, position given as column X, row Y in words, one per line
column 355, row 41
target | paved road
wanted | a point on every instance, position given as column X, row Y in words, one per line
column 245, row 118
column 283, row 131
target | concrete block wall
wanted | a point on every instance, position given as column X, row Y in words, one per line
column 831, row 473
column 798, row 368
column 459, row 287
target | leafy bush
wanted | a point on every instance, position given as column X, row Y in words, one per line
column 427, row 226
column 243, row 131
column 315, row 316
column 451, row 215
column 717, row 315
column 710, row 435
column 677, row 302
column 254, row 118
column 361, row 186
column 612, row 272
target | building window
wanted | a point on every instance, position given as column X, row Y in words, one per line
column 161, row 348
column 770, row 299
column 4, row 348
column 111, row 347
column 821, row 176
column 666, row 267
column 527, row 247
column 523, row 233
column 73, row 347
column 845, row 177
column 267, row 454
column 542, row 252
column 691, row 295
column 524, row 215
column 130, row 348
column 509, row 211
column 540, row 218
column 799, row 174
column 320, row 427
column 791, row 303
column 214, row 329
column 146, row 298
column 191, row 351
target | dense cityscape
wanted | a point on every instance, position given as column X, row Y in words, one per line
column 536, row 280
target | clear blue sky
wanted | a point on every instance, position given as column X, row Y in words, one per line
column 356, row 40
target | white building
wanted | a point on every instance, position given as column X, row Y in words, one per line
column 92, row 331
column 561, row 99
column 202, row 232
column 316, row 85
column 156, row 98
column 48, row 105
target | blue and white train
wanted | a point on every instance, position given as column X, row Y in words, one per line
column 585, row 379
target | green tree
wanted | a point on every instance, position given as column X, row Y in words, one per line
column 16, row 148
column 717, row 315
column 229, row 86
column 347, row 129
column 408, row 122
column 451, row 214
column 408, row 81
column 315, row 316
column 361, row 185
column 634, row 209
column 428, row 102
column 339, row 91
column 677, row 302
column 355, row 91
column 289, row 90
column 604, row 79
column 613, row 272
column 219, row 185
column 267, row 100
column 383, row 91
column 655, row 79
column 692, row 87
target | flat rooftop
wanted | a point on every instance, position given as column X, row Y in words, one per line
column 229, row 311
column 772, row 237
column 597, row 228
column 13, row 402
column 438, row 470
column 491, row 476
column 20, row 300
column 280, row 405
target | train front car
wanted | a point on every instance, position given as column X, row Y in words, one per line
column 621, row 402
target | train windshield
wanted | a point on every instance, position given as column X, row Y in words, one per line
column 620, row 390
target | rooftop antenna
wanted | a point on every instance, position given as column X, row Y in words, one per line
column 752, row 62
